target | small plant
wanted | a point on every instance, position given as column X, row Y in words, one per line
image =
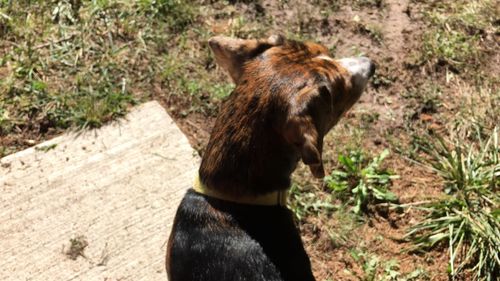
column 178, row 14
column 375, row 269
column 457, row 32
column 77, row 247
column 373, row 31
column 451, row 48
column 369, row 3
column 468, row 218
column 360, row 181
column 346, row 222
column 303, row 202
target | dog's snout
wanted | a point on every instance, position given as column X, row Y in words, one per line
column 369, row 65
column 361, row 67
column 361, row 70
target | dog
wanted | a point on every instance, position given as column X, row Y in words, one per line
column 233, row 225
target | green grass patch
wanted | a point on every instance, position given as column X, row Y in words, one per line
column 467, row 219
column 79, row 64
column 457, row 32
column 450, row 47
column 178, row 14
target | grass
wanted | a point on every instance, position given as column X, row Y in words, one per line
column 375, row 32
column 477, row 114
column 376, row 269
column 458, row 32
column 79, row 64
column 65, row 76
column 177, row 14
column 467, row 220
column 360, row 181
column 303, row 202
column 369, row 3
column 346, row 222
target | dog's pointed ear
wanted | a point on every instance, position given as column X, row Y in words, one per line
column 232, row 53
column 305, row 128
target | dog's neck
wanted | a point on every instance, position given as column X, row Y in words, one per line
column 247, row 154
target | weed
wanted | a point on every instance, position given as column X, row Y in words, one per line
column 77, row 247
column 373, row 31
column 376, row 269
column 424, row 100
column 346, row 223
column 452, row 48
column 360, row 181
column 478, row 112
column 178, row 14
column 304, row 202
column 369, row 118
column 381, row 80
column 373, row 3
column 467, row 219
column 457, row 32
column 220, row 90
column 46, row 148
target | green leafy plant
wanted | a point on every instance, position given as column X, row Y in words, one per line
column 467, row 219
column 360, row 181
column 376, row 269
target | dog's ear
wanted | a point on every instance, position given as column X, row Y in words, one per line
column 232, row 53
column 307, row 124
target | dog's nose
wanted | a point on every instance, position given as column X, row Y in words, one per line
column 373, row 67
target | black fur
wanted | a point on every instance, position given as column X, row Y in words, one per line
column 215, row 240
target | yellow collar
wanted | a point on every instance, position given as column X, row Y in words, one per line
column 269, row 199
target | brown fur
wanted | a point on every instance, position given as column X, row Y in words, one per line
column 285, row 101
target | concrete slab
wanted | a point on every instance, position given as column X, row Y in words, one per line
column 118, row 186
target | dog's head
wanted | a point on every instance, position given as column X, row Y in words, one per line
column 307, row 89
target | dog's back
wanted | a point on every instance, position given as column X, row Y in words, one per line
column 218, row 240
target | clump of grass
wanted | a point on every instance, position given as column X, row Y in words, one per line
column 361, row 181
column 369, row 3
column 178, row 14
column 457, row 32
column 468, row 218
column 304, row 201
column 31, row 105
column 346, row 222
column 373, row 31
column 376, row 269
column 452, row 48
column 202, row 91
column 478, row 112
